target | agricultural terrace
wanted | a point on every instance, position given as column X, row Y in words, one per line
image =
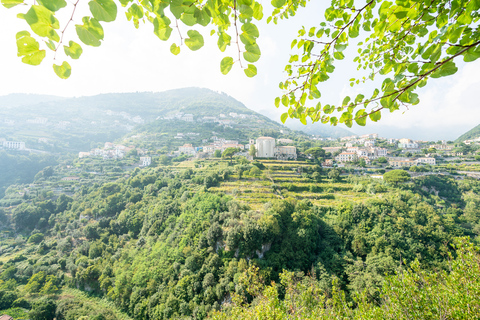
column 288, row 179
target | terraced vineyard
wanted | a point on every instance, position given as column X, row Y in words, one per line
column 284, row 179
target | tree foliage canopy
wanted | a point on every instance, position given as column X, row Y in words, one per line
column 396, row 176
column 403, row 43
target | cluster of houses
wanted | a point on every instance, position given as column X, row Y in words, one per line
column 115, row 151
column 126, row 116
column 266, row 147
column 221, row 119
column 369, row 152
column 109, row 151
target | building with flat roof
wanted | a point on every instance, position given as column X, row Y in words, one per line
column 17, row 145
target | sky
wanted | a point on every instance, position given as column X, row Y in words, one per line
column 131, row 60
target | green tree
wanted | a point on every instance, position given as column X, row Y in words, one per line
column 43, row 309
column 406, row 43
column 253, row 151
column 396, row 176
column 36, row 238
column 217, row 153
column 164, row 160
column 316, row 152
column 229, row 153
column 333, row 174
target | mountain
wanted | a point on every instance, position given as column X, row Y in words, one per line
column 21, row 99
column 469, row 135
column 76, row 124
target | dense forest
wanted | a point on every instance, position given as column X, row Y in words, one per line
column 166, row 242
column 21, row 168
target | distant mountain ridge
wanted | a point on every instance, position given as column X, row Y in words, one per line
column 198, row 101
column 21, row 99
column 148, row 105
column 470, row 134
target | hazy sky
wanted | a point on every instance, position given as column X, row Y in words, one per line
column 132, row 60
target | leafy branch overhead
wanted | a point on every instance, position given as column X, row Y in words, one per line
column 230, row 19
column 402, row 44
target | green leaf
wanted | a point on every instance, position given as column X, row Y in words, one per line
column 74, row 50
column 278, row 3
column 161, row 27
column 63, row 71
column 340, row 47
column 174, row 49
column 472, row 54
column 135, row 11
column 11, row 3
column 51, row 45
column 195, row 40
column 226, row 65
column 223, row 41
column 42, row 22
column 303, row 119
column 277, row 102
column 246, row 12
column 250, row 29
column 375, row 116
column 103, row 10
column 338, row 55
column 202, row 17
column 53, row 5
column 446, row 69
column 284, row 117
column 252, row 54
column 247, row 39
column 251, row 71
column 257, row 11
column 188, row 18
column 91, row 32
column 29, row 49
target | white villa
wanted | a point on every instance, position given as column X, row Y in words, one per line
column 266, row 148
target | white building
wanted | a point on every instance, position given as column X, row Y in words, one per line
column 145, row 161
column 407, row 144
column 286, row 153
column 187, row 117
column 187, row 149
column 265, row 147
column 285, row 141
column 426, row 160
column 14, row 145
column 38, row 120
column 346, row 157
column 369, row 143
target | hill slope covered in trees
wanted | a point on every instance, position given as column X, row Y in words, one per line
column 470, row 134
column 178, row 241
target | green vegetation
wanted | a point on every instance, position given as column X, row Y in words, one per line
column 411, row 293
column 182, row 240
column 470, row 134
column 19, row 168
column 396, row 176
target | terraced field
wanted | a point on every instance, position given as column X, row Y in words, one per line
column 283, row 179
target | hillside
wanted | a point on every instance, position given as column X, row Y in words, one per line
column 76, row 124
column 470, row 134
column 181, row 240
